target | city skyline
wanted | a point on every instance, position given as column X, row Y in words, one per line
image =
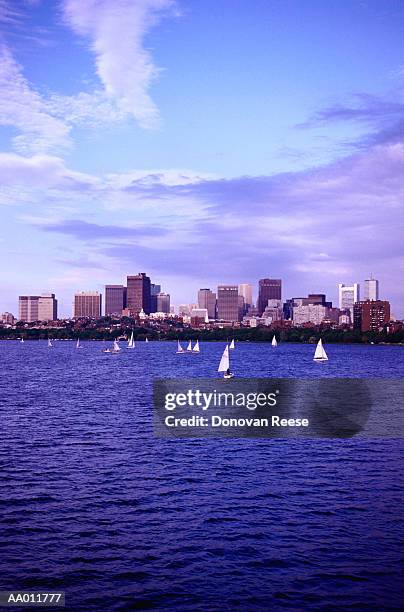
column 193, row 137
column 139, row 292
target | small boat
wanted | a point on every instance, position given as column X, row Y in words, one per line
column 179, row 348
column 115, row 348
column 196, row 348
column 224, row 365
column 274, row 342
column 78, row 345
column 320, row 354
column 131, row 343
column 50, row 345
column 232, row 345
column 189, row 347
column 147, row 340
column 22, row 340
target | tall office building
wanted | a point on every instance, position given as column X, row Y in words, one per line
column 115, row 299
column 28, row 308
column 87, row 304
column 163, row 303
column 245, row 289
column 348, row 296
column 227, row 303
column 138, row 293
column 47, row 307
column 371, row 315
column 207, row 299
column 154, row 291
column 371, row 289
column 37, row 307
column 268, row 289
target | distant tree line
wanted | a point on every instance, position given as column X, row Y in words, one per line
column 108, row 330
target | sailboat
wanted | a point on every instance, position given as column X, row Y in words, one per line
column 22, row 340
column 196, row 348
column 274, row 342
column 179, row 348
column 232, row 345
column 50, row 345
column 320, row 354
column 189, row 347
column 78, row 345
column 224, row 365
column 115, row 348
column 147, row 340
column 131, row 343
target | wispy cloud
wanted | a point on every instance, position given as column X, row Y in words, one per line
column 24, row 108
column 84, row 230
column 116, row 30
column 382, row 117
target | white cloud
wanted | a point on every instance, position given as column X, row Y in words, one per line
column 24, row 108
column 116, row 30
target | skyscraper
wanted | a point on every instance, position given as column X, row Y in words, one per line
column 138, row 293
column 87, row 304
column 227, row 303
column 207, row 299
column 154, row 291
column 47, row 307
column 163, row 303
column 348, row 296
column 371, row 315
column 268, row 289
column 37, row 307
column 245, row 289
column 115, row 299
column 371, row 291
column 28, row 308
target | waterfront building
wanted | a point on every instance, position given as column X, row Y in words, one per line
column 163, row 302
column 115, row 300
column 227, row 303
column 47, row 307
column 138, row 293
column 245, row 289
column 348, row 296
column 310, row 313
column 371, row 289
column 268, row 289
column 154, row 291
column 371, row 315
column 207, row 299
column 87, row 304
column 37, row 307
column 7, row 318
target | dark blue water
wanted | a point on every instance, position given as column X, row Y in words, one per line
column 93, row 504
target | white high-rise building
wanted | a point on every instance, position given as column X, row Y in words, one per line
column 371, row 291
column 245, row 289
column 348, row 296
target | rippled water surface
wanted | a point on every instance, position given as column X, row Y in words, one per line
column 93, row 504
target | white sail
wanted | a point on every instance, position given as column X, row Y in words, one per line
column 320, row 354
column 116, row 346
column 22, row 340
column 179, row 347
column 189, row 347
column 147, row 340
column 224, row 364
column 196, row 348
column 131, row 343
column 50, row 343
column 78, row 343
column 232, row 345
column 274, row 342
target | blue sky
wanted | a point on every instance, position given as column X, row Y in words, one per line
column 201, row 142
